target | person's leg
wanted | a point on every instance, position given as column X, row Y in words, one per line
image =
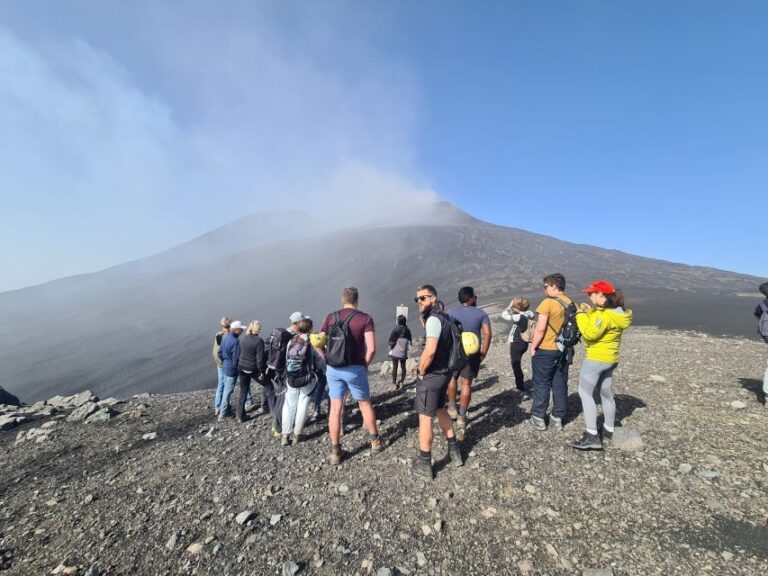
column 402, row 371
column 394, row 371
column 425, row 433
column 543, row 364
column 560, row 390
column 317, row 395
column 357, row 381
column 219, row 390
column 337, row 388
column 607, row 398
column 466, row 395
column 765, row 386
column 289, row 409
column 588, row 378
column 515, row 355
column 265, row 405
column 229, row 385
column 305, row 394
column 244, row 382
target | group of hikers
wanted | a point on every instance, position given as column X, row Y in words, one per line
column 296, row 366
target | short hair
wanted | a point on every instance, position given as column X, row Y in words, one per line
column 521, row 303
column 428, row 287
column 350, row 295
column 225, row 321
column 304, row 326
column 466, row 293
column 615, row 299
column 557, row 280
column 764, row 289
column 401, row 320
column 254, row 327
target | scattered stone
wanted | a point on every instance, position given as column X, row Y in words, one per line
column 525, row 566
column 384, row 572
column 274, row 519
column 684, row 468
column 82, row 412
column 245, row 516
column 530, row 489
column 195, row 549
column 93, row 571
column 289, row 568
column 101, row 415
column 210, row 432
column 421, row 560
column 598, row 572
column 11, row 421
column 657, row 378
column 708, row 473
column 173, row 540
column 82, row 398
column 738, row 405
column 149, row 436
column 426, row 530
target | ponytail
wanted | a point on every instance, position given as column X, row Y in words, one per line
column 615, row 300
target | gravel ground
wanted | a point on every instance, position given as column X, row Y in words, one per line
column 98, row 498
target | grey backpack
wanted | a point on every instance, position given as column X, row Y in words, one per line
column 762, row 324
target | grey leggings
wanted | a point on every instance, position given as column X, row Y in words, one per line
column 594, row 374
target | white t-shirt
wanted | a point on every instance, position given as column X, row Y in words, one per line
column 434, row 327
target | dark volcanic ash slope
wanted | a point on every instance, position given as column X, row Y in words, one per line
column 691, row 499
column 147, row 326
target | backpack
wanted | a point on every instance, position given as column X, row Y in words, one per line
column 457, row 358
column 339, row 348
column 297, row 356
column 527, row 334
column 762, row 324
column 276, row 347
column 568, row 335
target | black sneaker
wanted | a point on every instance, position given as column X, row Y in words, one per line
column 588, row 442
column 454, row 454
column 421, row 468
column 607, row 436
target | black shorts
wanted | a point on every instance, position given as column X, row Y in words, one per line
column 471, row 368
column 431, row 393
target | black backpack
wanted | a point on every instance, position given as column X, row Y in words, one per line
column 276, row 347
column 568, row 335
column 457, row 358
column 339, row 349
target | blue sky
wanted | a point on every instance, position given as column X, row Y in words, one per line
column 127, row 128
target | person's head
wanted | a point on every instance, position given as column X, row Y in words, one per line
column 224, row 323
column 401, row 320
column 297, row 317
column 467, row 296
column 304, row 326
column 520, row 303
column 426, row 296
column 554, row 284
column 349, row 297
column 603, row 295
column 764, row 289
column 254, row 327
column 236, row 327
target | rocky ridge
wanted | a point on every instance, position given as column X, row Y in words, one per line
column 154, row 485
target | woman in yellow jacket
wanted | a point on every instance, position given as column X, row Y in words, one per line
column 601, row 329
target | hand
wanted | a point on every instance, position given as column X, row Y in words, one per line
column 584, row 307
column 533, row 352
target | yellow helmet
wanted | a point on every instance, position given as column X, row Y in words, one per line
column 318, row 339
column 470, row 342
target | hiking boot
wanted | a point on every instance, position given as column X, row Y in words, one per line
column 536, row 423
column 555, row 422
column 461, row 428
column 284, row 440
column 295, row 439
column 607, row 436
column 336, row 455
column 422, row 468
column 377, row 445
column 588, row 442
column 452, row 412
column 454, row 455
column 275, row 433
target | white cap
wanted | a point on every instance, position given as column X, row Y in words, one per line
column 297, row 317
column 237, row 324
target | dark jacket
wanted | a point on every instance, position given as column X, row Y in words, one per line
column 252, row 358
column 440, row 360
column 400, row 332
column 229, row 353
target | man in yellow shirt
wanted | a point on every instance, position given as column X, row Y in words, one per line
column 550, row 366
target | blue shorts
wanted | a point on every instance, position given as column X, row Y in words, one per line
column 352, row 378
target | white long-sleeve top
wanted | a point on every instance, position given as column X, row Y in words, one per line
column 511, row 316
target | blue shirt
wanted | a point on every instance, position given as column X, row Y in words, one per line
column 472, row 318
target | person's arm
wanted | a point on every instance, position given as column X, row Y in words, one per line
column 408, row 335
column 261, row 365
column 538, row 333
column 506, row 314
column 487, row 334
column 221, row 350
column 370, row 347
column 393, row 337
column 591, row 325
column 236, row 353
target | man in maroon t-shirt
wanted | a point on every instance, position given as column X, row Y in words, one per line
column 352, row 377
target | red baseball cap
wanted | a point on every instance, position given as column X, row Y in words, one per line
column 600, row 286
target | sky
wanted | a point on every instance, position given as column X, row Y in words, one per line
column 127, row 128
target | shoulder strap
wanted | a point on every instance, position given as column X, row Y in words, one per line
column 348, row 318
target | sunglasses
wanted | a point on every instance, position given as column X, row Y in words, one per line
column 422, row 298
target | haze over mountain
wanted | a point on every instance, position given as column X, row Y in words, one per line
column 147, row 325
